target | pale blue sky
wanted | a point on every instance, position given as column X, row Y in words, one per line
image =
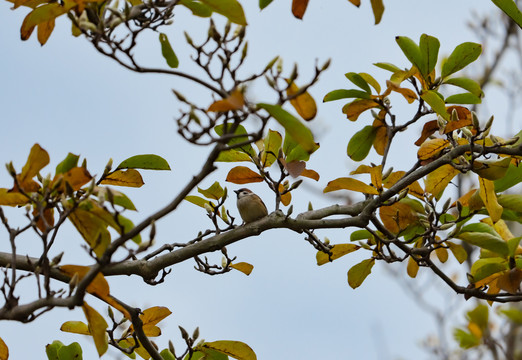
column 68, row 98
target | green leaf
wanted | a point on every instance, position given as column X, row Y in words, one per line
column 167, row 51
column 467, row 84
column 479, row 316
column 293, row 151
column 236, row 349
column 52, row 350
column 264, row 3
column 513, row 245
column 387, row 66
column 199, row 201
column 359, row 81
column 240, row 136
column 511, row 10
column 361, row 142
column 513, row 176
column 412, row 52
column 482, row 268
column 513, row 314
column 197, row 8
column 479, row 227
column 360, row 235
column 485, row 241
column 429, row 49
column 464, row 98
column 231, row 9
column 147, row 162
column 344, row 94
column 167, row 355
column 466, row 340
column 511, row 201
column 436, row 102
column 72, row 351
column 293, row 126
column 463, row 55
column 272, row 145
column 358, row 273
column 70, row 161
column 127, row 225
column 215, row 191
column 232, row 156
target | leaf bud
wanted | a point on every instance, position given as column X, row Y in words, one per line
column 403, row 193
column 290, row 210
column 208, row 208
column 171, row 348
column 195, row 334
column 111, row 313
column 115, row 22
column 387, row 173
column 425, row 223
column 245, row 51
column 310, row 207
column 446, row 226
column 270, row 82
column 494, row 139
column 228, row 25
column 296, row 184
column 454, row 115
column 73, row 283
column 326, row 65
column 466, row 132
column 184, row 333
column 279, row 65
column 56, row 260
column 446, row 205
column 512, row 141
column 459, row 207
column 293, row 74
column 270, row 64
column 475, row 120
column 326, row 241
column 224, row 262
column 188, row 39
column 488, row 125
column 10, row 169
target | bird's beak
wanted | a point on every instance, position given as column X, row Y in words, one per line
column 237, row 192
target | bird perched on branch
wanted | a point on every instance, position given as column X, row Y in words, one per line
column 250, row 206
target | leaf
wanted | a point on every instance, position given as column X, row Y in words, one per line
column 295, row 168
column 355, row 2
column 511, row 9
column 37, row 160
column 361, row 142
column 93, row 230
column 345, row 94
column 236, row 349
column 233, row 156
column 437, row 180
column 458, row 251
column 51, row 350
column 337, row 251
column 293, row 126
column 431, row 148
column 387, row 66
column 75, row 177
column 75, row 327
column 414, row 188
column 72, row 351
column 488, row 196
column 286, row 198
column 513, row 314
column 442, row 254
column 465, row 339
column 4, row 350
column 436, row 103
column 345, row 183
column 412, row 268
column 244, row 267
column 70, row 161
column 378, row 10
column 98, row 327
column 119, row 198
column 167, row 355
column 243, row 175
column 359, row 81
column 146, row 162
column 168, row 53
column 491, row 170
column 357, row 107
column 235, row 101
column 510, row 281
column 467, row 84
column 43, row 14
column 130, row 178
column 465, row 98
column 272, row 145
column 199, row 201
column 293, row 151
column 361, row 235
column 412, row 52
column 358, row 273
column 44, row 31
column 152, row 316
column 240, row 136
column 299, row 8
column 197, row 8
column 397, row 217
column 231, row 9
column 304, row 104
column 215, row 191
column 371, row 81
column 463, row 55
column 408, row 94
column 429, row 49
column 485, row 241
column 312, row 174
column 512, row 177
column 264, row 3
column 12, row 198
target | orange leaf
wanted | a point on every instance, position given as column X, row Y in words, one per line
column 299, row 8
column 437, row 180
column 234, row 101
column 357, row 107
column 4, row 350
column 345, row 183
column 408, row 94
column 243, row 175
column 431, row 148
column 150, row 317
column 44, row 31
column 355, row 2
column 244, row 267
column 309, row 173
column 510, row 281
column 464, row 118
column 76, row 177
column 98, row 327
column 397, row 217
column 48, row 215
column 488, row 196
column 428, row 129
column 285, row 198
column 381, row 136
column 129, row 177
column 304, row 104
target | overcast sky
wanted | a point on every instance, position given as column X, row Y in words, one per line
column 68, row 98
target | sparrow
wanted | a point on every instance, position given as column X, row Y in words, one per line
column 250, row 206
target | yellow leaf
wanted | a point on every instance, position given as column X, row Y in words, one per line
column 442, row 254
column 357, row 107
column 337, row 251
column 304, row 104
column 397, row 217
column 4, row 350
column 299, row 8
column 437, row 180
column 44, row 31
column 150, row 317
column 76, row 177
column 458, row 251
column 431, row 148
column 12, row 198
column 286, row 198
column 413, row 267
column 243, row 175
column 93, row 230
column 510, row 280
column 500, row 227
column 140, row 350
column 488, row 196
column 37, row 160
column 234, row 101
column 235, row 349
column 43, row 14
column 414, row 188
column 98, row 327
column 408, row 94
column 378, row 10
column 491, row 170
column 76, row 327
column 375, row 172
column 309, row 173
column 345, row 183
column 381, row 136
column 129, row 177
column 244, row 267
column 475, row 329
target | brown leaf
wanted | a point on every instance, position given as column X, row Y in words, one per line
column 355, row 2
column 243, row 175
column 428, row 129
column 408, row 94
column 510, row 281
column 299, row 8
column 48, row 215
column 295, row 168
column 463, row 115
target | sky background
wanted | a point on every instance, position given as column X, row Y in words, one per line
column 68, row 98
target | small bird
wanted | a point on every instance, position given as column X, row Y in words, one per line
column 250, row 206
